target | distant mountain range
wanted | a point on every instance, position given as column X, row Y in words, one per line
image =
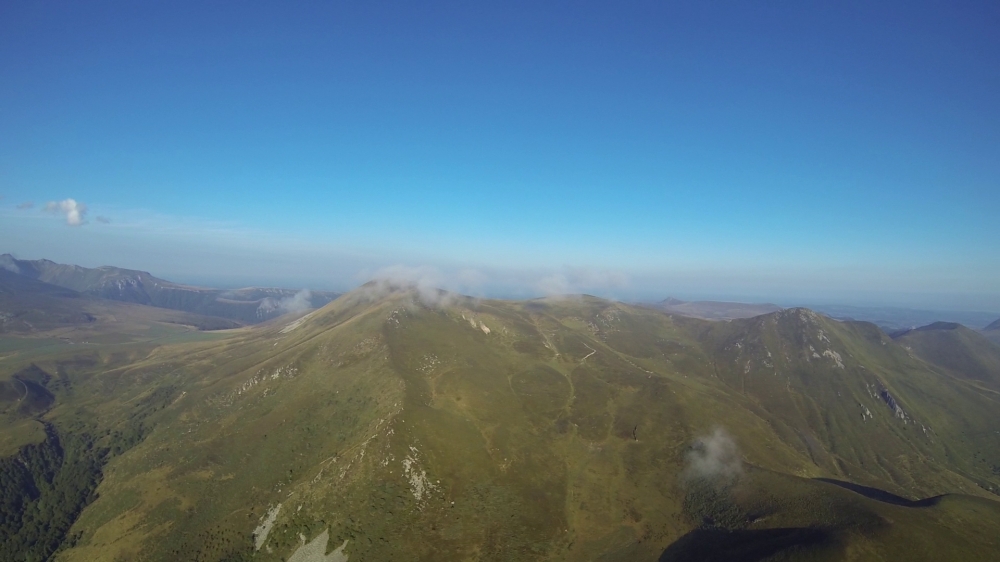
column 247, row 306
column 31, row 306
column 714, row 310
column 893, row 319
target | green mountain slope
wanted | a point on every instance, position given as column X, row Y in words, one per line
column 386, row 427
column 958, row 350
column 249, row 305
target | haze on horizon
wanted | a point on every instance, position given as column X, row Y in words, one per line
column 794, row 154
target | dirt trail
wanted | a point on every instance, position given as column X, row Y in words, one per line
column 25, row 389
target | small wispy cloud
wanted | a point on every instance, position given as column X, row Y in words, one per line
column 573, row 281
column 70, row 208
column 428, row 282
column 103, row 220
column 7, row 262
column 26, row 205
column 270, row 306
column 298, row 302
column 714, row 458
column 441, row 286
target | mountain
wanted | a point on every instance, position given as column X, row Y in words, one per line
column 714, row 310
column 895, row 319
column 249, row 306
column 958, row 350
column 393, row 424
column 992, row 332
column 31, row 306
column 26, row 305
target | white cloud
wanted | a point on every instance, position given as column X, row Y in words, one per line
column 7, row 262
column 298, row 302
column 714, row 457
column 577, row 280
column 428, row 282
column 555, row 285
column 70, row 208
column 472, row 278
column 440, row 286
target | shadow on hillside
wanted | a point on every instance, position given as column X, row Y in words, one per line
column 721, row 545
column 882, row 495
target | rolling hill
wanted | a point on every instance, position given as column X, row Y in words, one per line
column 396, row 425
column 957, row 350
column 249, row 305
column 992, row 332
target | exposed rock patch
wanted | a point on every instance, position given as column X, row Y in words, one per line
column 315, row 551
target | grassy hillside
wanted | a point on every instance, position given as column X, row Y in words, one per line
column 575, row 429
column 959, row 351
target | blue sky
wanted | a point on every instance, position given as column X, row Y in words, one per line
column 847, row 152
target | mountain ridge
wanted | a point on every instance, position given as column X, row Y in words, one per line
column 956, row 349
column 248, row 305
column 30, row 306
column 714, row 310
column 400, row 423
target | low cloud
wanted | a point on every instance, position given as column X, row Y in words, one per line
column 555, row 285
column 440, row 287
column 572, row 281
column 26, row 205
column 270, row 306
column 715, row 458
column 298, row 302
column 70, row 208
column 7, row 262
column 428, row 282
column 103, row 220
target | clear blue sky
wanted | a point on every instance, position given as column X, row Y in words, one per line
column 839, row 152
